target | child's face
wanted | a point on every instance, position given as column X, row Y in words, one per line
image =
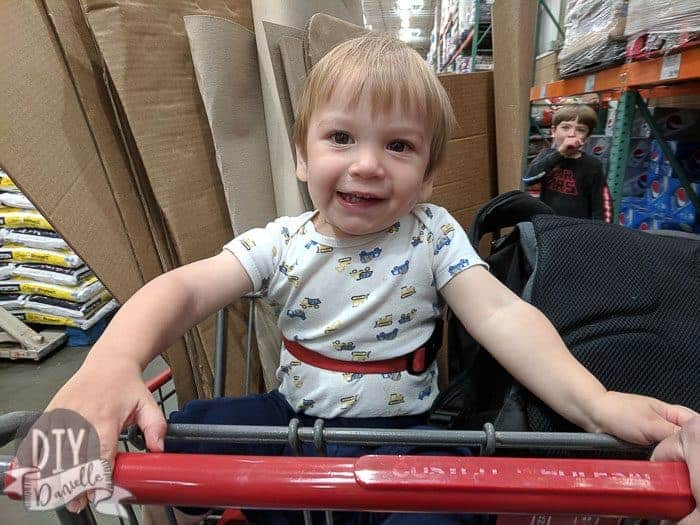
column 364, row 169
column 569, row 129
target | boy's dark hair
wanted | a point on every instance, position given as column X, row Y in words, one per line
column 581, row 113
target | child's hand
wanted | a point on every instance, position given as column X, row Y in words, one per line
column 570, row 146
column 639, row 419
column 111, row 395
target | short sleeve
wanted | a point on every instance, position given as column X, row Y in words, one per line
column 452, row 251
column 258, row 251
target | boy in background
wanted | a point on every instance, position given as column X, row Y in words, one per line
column 572, row 182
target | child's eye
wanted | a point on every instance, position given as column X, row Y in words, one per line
column 399, row 146
column 340, row 137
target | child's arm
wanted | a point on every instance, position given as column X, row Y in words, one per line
column 540, row 166
column 523, row 340
column 108, row 390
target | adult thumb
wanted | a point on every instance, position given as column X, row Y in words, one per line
column 151, row 421
column 670, row 449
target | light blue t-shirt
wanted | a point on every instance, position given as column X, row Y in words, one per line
column 363, row 298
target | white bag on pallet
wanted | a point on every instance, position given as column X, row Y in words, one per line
column 63, row 308
column 49, row 273
column 31, row 316
column 16, row 200
column 33, row 238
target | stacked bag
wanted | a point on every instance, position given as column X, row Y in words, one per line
column 594, row 38
column 658, row 27
column 42, row 280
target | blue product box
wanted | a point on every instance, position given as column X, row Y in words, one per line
column 658, row 194
column 656, row 154
column 632, row 212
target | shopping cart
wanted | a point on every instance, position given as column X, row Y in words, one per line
column 518, row 490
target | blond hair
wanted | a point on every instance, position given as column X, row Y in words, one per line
column 392, row 72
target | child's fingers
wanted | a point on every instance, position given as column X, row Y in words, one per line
column 77, row 504
column 679, row 415
column 109, row 439
column 150, row 420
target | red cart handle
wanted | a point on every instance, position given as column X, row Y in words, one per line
column 639, row 489
column 159, row 380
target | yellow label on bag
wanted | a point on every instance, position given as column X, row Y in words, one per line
column 40, row 318
column 19, row 218
column 65, row 258
column 6, row 182
column 58, row 291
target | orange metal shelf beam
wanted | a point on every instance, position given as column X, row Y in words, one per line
column 674, row 90
column 642, row 74
column 605, row 80
column 648, row 72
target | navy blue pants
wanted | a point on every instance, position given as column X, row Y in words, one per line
column 271, row 409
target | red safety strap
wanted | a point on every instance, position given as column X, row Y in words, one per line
column 414, row 362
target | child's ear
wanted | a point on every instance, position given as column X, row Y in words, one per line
column 426, row 189
column 301, row 170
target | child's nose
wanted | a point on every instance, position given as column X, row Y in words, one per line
column 367, row 164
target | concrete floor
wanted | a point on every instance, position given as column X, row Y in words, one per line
column 30, row 385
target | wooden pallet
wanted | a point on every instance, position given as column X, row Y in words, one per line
column 19, row 341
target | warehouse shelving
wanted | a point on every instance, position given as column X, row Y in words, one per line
column 473, row 40
column 671, row 75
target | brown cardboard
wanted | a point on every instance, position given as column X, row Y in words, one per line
column 112, row 144
column 50, row 151
column 513, row 53
column 292, row 53
column 323, row 33
column 546, row 68
column 472, row 100
column 467, row 177
column 142, row 220
column 226, row 65
column 146, row 53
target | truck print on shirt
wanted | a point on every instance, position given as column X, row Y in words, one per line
column 361, row 273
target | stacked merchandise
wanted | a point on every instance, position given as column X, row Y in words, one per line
column 42, row 280
column 594, row 35
column 599, row 146
column 653, row 197
column 656, row 27
column 450, row 40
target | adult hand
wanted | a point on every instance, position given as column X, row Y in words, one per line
column 684, row 445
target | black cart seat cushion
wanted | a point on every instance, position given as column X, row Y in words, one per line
column 627, row 304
